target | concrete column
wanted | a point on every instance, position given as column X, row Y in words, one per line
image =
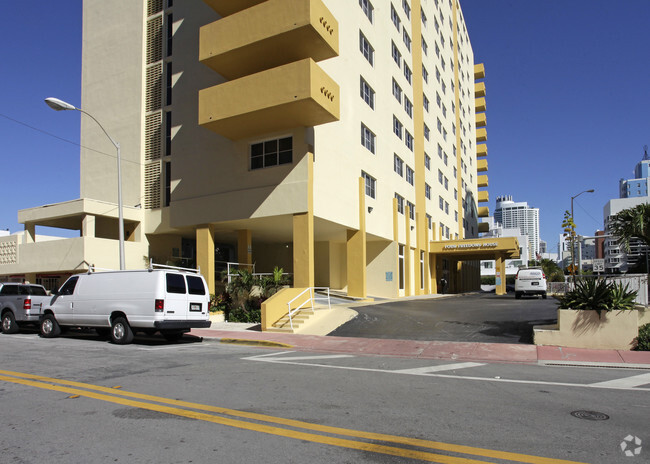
column 30, row 233
column 88, row 226
column 245, row 248
column 205, row 254
column 500, row 275
column 356, row 250
column 303, row 250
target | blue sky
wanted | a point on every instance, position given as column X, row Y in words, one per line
column 567, row 83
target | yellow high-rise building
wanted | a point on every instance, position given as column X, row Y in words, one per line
column 338, row 139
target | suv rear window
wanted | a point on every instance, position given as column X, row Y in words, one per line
column 195, row 285
column 175, row 283
column 32, row 290
column 9, row 290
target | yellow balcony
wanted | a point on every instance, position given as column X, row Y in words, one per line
column 479, row 71
column 481, row 121
column 479, row 89
column 296, row 94
column 479, row 103
column 228, row 7
column 482, row 181
column 481, row 150
column 268, row 35
column 481, row 135
column 483, row 227
column 481, row 165
column 483, row 196
column 483, row 211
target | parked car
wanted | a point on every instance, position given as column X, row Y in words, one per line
column 530, row 281
column 21, row 304
column 166, row 299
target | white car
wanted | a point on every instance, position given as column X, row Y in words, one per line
column 119, row 303
column 530, row 282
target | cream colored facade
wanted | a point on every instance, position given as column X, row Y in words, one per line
column 192, row 91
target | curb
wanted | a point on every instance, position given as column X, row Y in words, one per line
column 243, row 341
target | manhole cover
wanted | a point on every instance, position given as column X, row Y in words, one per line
column 590, row 415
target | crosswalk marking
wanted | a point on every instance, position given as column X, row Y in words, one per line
column 431, row 369
column 626, row 382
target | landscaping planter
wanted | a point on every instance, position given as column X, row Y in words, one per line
column 613, row 330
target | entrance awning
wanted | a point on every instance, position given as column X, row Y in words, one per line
column 477, row 248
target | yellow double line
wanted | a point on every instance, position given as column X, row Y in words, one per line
column 201, row 412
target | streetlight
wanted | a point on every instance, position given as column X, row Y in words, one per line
column 573, row 240
column 60, row 105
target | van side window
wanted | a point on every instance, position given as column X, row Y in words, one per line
column 195, row 286
column 68, row 286
column 9, row 290
column 175, row 283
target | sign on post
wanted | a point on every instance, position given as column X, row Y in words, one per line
column 599, row 265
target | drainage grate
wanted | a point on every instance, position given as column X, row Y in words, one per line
column 590, row 415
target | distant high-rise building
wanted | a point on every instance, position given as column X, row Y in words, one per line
column 639, row 186
column 519, row 214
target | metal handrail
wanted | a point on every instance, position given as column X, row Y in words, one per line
column 312, row 291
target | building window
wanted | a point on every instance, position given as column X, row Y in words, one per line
column 441, row 203
column 455, row 194
column 411, row 209
column 407, row 73
column 272, row 153
column 440, row 176
column 398, row 165
column 409, row 175
column 400, row 203
column 367, row 94
column 429, row 222
column 395, row 17
column 425, row 47
column 439, row 126
column 425, row 74
column 408, row 107
column 407, row 8
column 168, row 183
column 446, row 159
column 427, row 161
column 371, row 184
column 367, row 9
column 425, row 103
column 439, row 151
column 169, row 84
column 368, row 138
column 397, row 91
column 366, row 49
column 424, row 17
column 446, row 207
column 168, row 133
column 427, row 191
column 408, row 140
column 397, row 56
column 426, row 132
column 456, row 215
column 407, row 39
column 397, row 127
column 446, row 184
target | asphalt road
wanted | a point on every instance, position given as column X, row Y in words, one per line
column 483, row 317
column 94, row 402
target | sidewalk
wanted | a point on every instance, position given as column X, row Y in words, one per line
column 462, row 351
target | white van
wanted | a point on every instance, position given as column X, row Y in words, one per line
column 162, row 298
column 530, row 281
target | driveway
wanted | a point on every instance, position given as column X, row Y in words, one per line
column 483, row 317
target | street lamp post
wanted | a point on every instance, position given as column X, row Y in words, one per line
column 60, row 105
column 573, row 240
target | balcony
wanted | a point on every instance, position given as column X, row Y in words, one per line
column 294, row 95
column 481, row 150
column 481, row 165
column 483, row 227
column 483, row 196
column 483, row 211
column 268, row 35
column 479, row 89
column 481, row 121
column 479, row 104
column 228, row 7
column 479, row 71
column 481, row 135
column 482, row 181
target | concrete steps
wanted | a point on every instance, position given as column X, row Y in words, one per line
column 283, row 325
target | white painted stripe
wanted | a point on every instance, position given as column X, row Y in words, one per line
column 305, row 358
column 628, row 382
column 440, row 368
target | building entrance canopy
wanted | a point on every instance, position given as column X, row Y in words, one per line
column 496, row 248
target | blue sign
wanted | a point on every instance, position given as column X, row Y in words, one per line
column 389, row 277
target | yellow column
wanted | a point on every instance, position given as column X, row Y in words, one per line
column 303, row 235
column 434, row 273
column 356, row 250
column 418, row 241
column 205, row 254
column 396, row 240
column 245, row 248
column 407, row 251
column 427, row 269
column 500, row 275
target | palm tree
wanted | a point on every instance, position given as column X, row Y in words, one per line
column 632, row 223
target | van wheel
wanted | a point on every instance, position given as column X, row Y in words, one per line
column 172, row 335
column 9, row 325
column 121, row 332
column 49, row 327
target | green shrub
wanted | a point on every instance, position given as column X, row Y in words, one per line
column 643, row 341
column 598, row 295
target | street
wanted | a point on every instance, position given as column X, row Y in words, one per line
column 94, row 402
